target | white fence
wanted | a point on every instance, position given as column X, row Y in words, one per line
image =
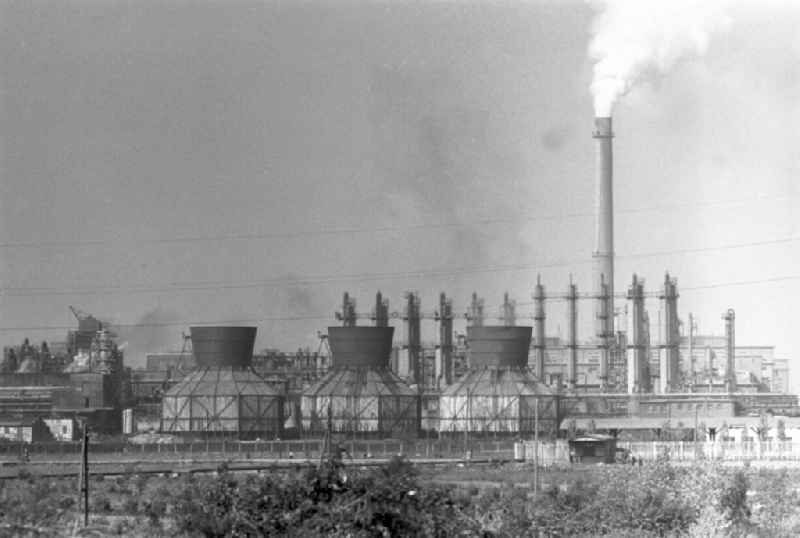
column 556, row 453
column 549, row 453
column 718, row 450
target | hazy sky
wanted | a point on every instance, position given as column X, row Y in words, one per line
column 269, row 156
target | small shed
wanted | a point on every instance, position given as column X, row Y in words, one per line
column 26, row 430
column 593, row 448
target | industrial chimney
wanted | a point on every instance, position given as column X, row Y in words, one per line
column 604, row 214
column 604, row 241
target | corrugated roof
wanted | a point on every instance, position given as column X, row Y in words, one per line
column 496, row 381
column 360, row 382
column 223, row 382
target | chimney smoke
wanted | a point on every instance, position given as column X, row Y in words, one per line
column 633, row 40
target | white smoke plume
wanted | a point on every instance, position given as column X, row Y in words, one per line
column 637, row 39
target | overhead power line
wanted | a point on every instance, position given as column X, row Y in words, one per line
column 332, row 230
column 331, row 318
column 331, row 278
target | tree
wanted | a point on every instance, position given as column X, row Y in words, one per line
column 781, row 429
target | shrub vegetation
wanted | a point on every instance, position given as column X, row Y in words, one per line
column 396, row 500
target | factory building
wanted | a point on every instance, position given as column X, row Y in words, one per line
column 360, row 394
column 499, row 394
column 223, row 395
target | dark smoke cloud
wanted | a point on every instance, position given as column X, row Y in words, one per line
column 554, row 138
column 150, row 335
column 434, row 151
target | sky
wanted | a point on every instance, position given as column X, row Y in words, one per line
column 171, row 163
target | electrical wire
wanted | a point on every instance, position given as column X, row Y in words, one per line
column 326, row 279
column 321, row 317
column 330, row 230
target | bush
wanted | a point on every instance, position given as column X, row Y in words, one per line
column 329, row 501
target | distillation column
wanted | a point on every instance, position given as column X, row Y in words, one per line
column 637, row 368
column 604, row 335
column 572, row 336
column 730, row 344
column 446, row 338
column 381, row 311
column 669, row 373
column 414, row 338
column 538, row 323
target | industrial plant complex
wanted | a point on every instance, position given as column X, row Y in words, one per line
column 641, row 372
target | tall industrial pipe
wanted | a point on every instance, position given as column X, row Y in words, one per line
column 572, row 335
column 509, row 309
column 538, row 323
column 604, row 318
column 730, row 343
column 381, row 311
column 669, row 367
column 348, row 314
column 446, row 338
column 638, row 378
column 414, row 341
column 475, row 314
column 604, row 217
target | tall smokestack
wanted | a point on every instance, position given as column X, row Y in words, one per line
column 604, row 212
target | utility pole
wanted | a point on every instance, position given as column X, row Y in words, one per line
column 692, row 369
column 85, row 473
column 536, row 447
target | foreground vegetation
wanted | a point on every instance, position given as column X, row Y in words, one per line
column 395, row 500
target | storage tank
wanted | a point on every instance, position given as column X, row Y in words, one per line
column 360, row 394
column 223, row 395
column 500, row 393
